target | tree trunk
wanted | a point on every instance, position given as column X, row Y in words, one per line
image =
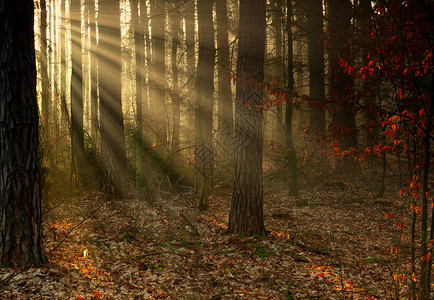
column 426, row 263
column 371, row 117
column 204, row 101
column 246, row 215
column 139, row 44
column 20, row 189
column 300, row 42
column 342, row 84
column 77, row 136
column 189, row 16
column 278, row 66
column 93, row 73
column 113, row 151
column 56, row 75
column 291, row 154
column 63, row 107
column 176, row 101
column 144, row 18
column 315, row 40
column 157, row 74
column 225, row 106
column 45, row 82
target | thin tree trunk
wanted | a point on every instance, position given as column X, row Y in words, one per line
column 93, row 72
column 77, row 137
column 139, row 43
column 291, row 153
column 315, row 40
column 246, row 215
column 63, row 107
column 279, row 74
column 225, row 103
column 144, row 18
column 368, row 84
column 20, row 188
column 204, row 101
column 342, row 84
column 189, row 16
column 56, row 68
column 113, row 150
column 157, row 74
column 426, row 264
column 300, row 40
column 45, row 114
column 176, row 101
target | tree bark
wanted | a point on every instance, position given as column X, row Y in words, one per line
column 315, row 40
column 190, row 20
column 176, row 101
column 139, row 44
column 204, row 101
column 278, row 66
column 157, row 74
column 64, row 119
column 113, row 150
column 20, row 188
column 45, row 82
column 371, row 118
column 342, row 84
column 77, row 135
column 225, row 102
column 93, row 72
column 291, row 153
column 246, row 215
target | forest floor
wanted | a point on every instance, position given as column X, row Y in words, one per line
column 331, row 242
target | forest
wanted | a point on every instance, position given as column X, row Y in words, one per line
column 216, row 149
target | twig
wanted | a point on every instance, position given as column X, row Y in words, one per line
column 162, row 252
column 195, row 231
column 9, row 278
column 74, row 227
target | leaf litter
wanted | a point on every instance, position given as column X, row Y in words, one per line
column 328, row 243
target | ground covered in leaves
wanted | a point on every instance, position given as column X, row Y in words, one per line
column 331, row 242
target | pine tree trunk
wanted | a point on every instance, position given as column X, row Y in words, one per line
column 139, row 44
column 204, row 101
column 368, row 84
column 246, row 215
column 300, row 41
column 20, row 188
column 315, row 40
column 426, row 263
column 63, row 107
column 93, row 72
column 176, row 101
column 225, row 103
column 45, row 82
column 77, row 136
column 278, row 64
column 342, row 84
column 157, row 74
column 113, row 150
column 291, row 153
column 57, row 75
column 189, row 16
